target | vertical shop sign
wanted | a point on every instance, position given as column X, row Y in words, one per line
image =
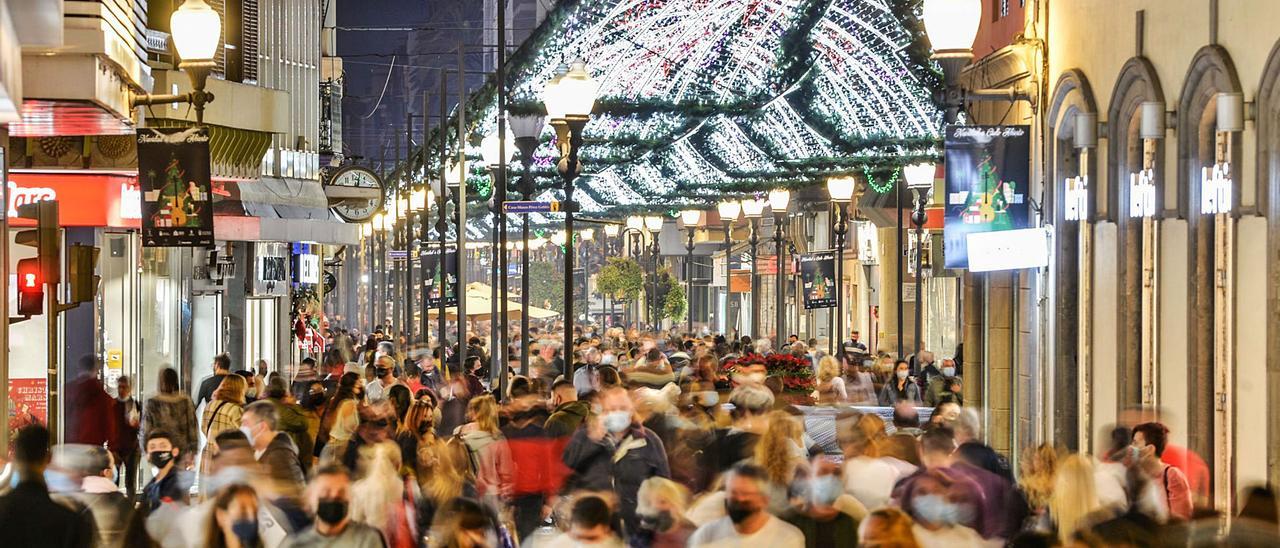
column 987, row 176
column 174, row 173
column 431, row 275
column 818, row 272
column 270, row 270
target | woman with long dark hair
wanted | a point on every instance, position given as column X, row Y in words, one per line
column 340, row 418
column 234, row 523
column 172, row 411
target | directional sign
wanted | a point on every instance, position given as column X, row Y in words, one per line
column 530, row 207
column 398, row 254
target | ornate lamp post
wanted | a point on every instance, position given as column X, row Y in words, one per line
column 527, row 128
column 690, row 218
column 419, row 201
column 496, row 150
column 196, row 28
column 728, row 210
column 653, row 224
column 635, row 235
column 753, row 210
column 778, row 201
column 840, row 190
column 920, row 181
column 569, row 98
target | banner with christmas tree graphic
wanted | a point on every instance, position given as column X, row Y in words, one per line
column 818, row 272
column 174, row 174
column 987, row 176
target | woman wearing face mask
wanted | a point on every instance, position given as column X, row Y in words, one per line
column 235, row 519
column 660, row 508
column 939, row 508
column 489, row 456
column 417, row 429
column 819, row 516
column 901, row 387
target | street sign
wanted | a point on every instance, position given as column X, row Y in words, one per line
column 397, row 254
column 530, row 207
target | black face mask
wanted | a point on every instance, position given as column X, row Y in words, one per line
column 659, row 522
column 331, row 511
column 737, row 511
column 314, row 400
column 424, row 427
column 160, row 458
column 380, row 372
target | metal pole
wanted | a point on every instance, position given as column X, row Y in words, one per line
column 688, row 280
column 842, row 228
column 574, row 127
column 442, row 226
column 502, row 190
column 409, row 324
column 901, row 251
column 462, row 210
column 424, row 327
column 919, row 274
column 781, row 289
column 754, row 241
column 728, row 273
column 524, row 274
column 396, row 296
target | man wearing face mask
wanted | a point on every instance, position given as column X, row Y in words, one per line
column 383, row 378
column 568, row 411
column 614, row 452
column 329, row 496
column 164, row 485
column 819, row 520
column 747, row 523
column 275, row 450
column 941, row 508
column 584, row 379
column 943, row 384
column 589, row 525
column 28, row 516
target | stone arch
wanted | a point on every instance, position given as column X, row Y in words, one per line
column 1136, row 84
column 1072, row 95
column 1268, row 127
column 1211, row 72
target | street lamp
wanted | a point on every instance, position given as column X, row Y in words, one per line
column 690, row 218
column 951, row 26
column 920, row 179
column 195, row 28
column 840, row 189
column 569, row 97
column 527, row 129
column 778, row 201
column 634, row 233
column 653, row 224
column 728, row 210
column 753, row 210
column 496, row 150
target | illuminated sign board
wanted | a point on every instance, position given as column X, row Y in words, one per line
column 1076, row 198
column 1215, row 189
column 1142, row 194
column 1008, row 249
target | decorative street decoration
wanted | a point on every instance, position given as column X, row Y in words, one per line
column 174, row 172
column 987, row 177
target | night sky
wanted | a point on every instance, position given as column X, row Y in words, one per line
column 439, row 26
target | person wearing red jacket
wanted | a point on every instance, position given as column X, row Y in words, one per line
column 90, row 410
column 537, row 472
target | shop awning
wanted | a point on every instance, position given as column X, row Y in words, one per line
column 278, row 210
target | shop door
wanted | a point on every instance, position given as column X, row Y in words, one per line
column 118, row 314
column 261, row 332
column 206, row 339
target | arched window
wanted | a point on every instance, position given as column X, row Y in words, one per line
column 1072, row 96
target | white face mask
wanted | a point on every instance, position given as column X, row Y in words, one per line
column 948, row 371
column 902, row 374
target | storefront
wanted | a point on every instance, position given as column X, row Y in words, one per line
column 99, row 209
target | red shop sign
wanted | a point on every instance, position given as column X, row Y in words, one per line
column 84, row 199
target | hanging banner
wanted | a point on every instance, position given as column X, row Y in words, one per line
column 173, row 171
column 987, row 179
column 431, row 277
column 818, row 272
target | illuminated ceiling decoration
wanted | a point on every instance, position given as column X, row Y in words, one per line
column 702, row 98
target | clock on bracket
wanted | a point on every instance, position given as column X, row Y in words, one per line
column 355, row 193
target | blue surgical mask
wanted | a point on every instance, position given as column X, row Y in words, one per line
column 59, row 482
column 937, row 510
column 246, row 530
column 617, row 421
column 708, row 398
column 824, row 490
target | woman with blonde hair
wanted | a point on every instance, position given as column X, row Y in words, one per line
column 887, row 528
column 779, row 451
column 867, row 476
column 1039, row 469
column 378, row 498
column 830, row 389
column 490, row 457
column 661, row 505
column 222, row 413
column 1074, row 497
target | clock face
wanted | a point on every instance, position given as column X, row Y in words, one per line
column 356, row 193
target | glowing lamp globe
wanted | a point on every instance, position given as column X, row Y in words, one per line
column 635, row 222
column 952, row 25
column 653, row 223
column 778, row 200
column 841, row 188
column 195, row 30
column 920, row 176
column 753, row 208
column 571, row 93
column 611, row 230
column 690, row 217
column 728, row 210
column 489, row 149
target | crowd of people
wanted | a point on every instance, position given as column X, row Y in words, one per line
column 622, row 439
